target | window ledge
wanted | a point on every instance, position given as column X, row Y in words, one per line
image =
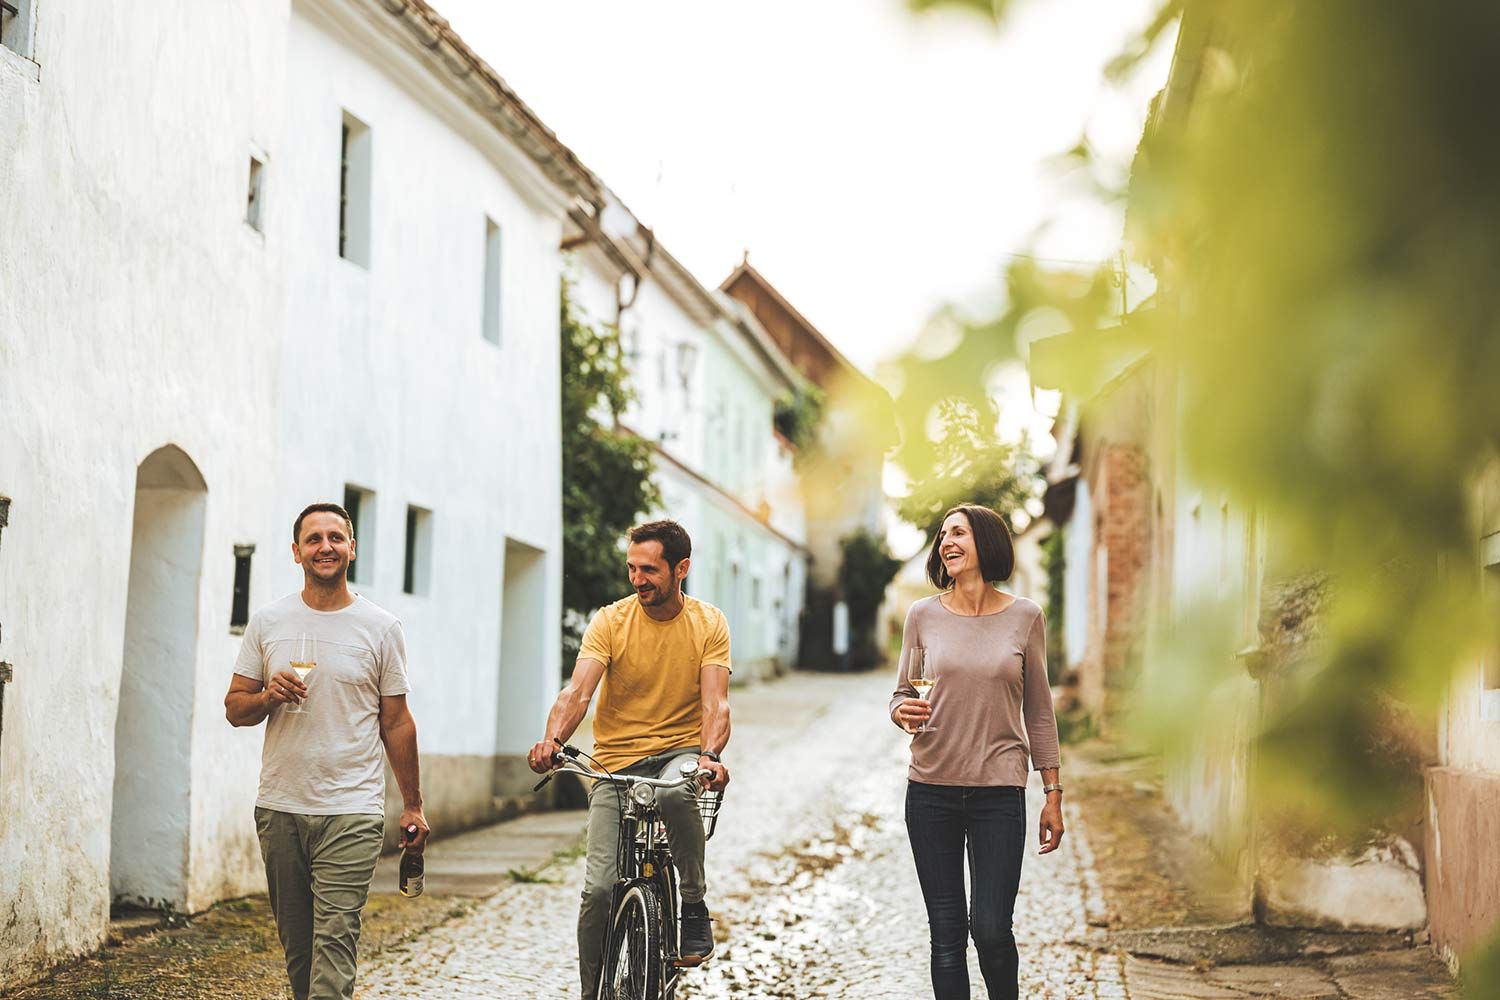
column 14, row 62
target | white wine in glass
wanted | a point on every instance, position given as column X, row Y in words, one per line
column 304, row 663
column 920, row 673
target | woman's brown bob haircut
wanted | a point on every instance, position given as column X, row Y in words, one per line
column 997, row 556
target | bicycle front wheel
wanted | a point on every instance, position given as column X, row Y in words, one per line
column 633, row 966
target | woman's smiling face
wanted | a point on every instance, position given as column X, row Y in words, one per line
column 956, row 545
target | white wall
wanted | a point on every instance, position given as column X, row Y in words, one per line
column 135, row 306
column 390, row 384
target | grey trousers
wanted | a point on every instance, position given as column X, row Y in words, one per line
column 679, row 808
column 318, row 869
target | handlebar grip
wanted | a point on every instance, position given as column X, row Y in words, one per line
column 541, row 784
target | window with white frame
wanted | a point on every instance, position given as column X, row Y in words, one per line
column 16, row 22
column 354, row 191
column 255, row 198
column 359, row 503
column 491, row 328
column 1489, row 677
column 417, row 576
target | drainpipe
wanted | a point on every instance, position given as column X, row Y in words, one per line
column 622, row 303
column 5, row 668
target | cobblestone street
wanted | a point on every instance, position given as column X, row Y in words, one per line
column 811, row 880
column 813, row 891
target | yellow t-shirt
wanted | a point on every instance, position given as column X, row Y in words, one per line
column 650, row 701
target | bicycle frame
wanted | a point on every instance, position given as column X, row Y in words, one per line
column 644, row 858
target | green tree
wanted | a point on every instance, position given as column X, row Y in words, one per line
column 797, row 416
column 970, row 464
column 606, row 471
column 1318, row 198
column 866, row 569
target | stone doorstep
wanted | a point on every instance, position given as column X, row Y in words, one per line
column 1250, row 960
column 1413, row 974
column 133, row 924
column 1245, row 943
column 478, row 863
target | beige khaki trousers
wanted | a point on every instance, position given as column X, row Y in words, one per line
column 318, row 869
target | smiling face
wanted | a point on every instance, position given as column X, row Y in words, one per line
column 955, row 544
column 652, row 580
column 324, row 549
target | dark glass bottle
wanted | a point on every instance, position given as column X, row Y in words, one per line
column 411, row 871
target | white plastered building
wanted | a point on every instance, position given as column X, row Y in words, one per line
column 313, row 254
column 706, row 380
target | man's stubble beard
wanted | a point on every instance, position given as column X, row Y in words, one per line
column 339, row 579
column 662, row 596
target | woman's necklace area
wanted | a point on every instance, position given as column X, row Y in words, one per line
column 983, row 610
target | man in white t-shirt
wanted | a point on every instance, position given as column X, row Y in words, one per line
column 320, row 813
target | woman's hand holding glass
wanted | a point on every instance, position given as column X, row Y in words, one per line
column 914, row 713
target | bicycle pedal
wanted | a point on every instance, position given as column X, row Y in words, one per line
column 690, row 961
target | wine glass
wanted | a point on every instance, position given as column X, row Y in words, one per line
column 303, row 664
column 922, row 675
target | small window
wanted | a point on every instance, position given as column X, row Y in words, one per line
column 239, row 611
column 15, row 26
column 354, row 192
column 360, row 503
column 491, row 327
column 254, row 200
column 1490, row 675
column 418, row 574
column 755, row 592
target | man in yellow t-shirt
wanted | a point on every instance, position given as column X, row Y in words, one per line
column 663, row 658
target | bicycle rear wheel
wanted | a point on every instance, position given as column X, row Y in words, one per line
column 633, row 966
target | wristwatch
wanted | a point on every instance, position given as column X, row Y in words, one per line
column 710, row 755
column 1051, row 788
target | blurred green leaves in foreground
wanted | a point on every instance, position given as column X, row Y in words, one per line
column 1318, row 196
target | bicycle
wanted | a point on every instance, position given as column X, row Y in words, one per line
column 642, row 947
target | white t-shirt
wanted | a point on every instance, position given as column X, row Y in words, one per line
column 328, row 759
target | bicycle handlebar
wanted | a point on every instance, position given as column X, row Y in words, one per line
column 566, row 760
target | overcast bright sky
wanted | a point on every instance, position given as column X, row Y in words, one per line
column 876, row 164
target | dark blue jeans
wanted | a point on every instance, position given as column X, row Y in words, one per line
column 945, row 823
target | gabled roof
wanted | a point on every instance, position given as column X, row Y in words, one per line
column 812, row 352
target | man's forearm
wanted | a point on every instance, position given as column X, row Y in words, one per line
column 246, row 708
column 401, row 750
column 567, row 712
column 715, row 732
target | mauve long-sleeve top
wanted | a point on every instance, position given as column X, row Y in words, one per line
column 991, row 677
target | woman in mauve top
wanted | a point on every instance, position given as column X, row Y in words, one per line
column 966, row 793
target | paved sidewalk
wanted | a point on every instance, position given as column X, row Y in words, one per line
column 484, row 861
column 1187, row 927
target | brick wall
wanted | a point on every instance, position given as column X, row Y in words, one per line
column 1118, row 588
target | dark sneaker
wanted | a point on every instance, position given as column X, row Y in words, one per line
column 697, row 934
